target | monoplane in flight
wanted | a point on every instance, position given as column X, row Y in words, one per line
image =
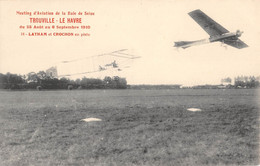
column 215, row 30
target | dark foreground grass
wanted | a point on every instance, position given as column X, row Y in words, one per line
column 137, row 128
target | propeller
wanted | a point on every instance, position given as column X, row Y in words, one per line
column 239, row 33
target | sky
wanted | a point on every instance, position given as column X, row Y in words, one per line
column 147, row 28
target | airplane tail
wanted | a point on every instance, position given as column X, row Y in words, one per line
column 182, row 44
column 186, row 44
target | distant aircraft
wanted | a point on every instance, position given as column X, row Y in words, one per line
column 109, row 65
column 113, row 64
column 215, row 30
column 120, row 55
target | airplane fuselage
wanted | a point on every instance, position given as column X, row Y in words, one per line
column 222, row 37
column 186, row 44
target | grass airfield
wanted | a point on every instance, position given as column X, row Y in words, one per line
column 138, row 127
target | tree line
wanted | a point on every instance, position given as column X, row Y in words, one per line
column 242, row 82
column 247, row 81
column 40, row 81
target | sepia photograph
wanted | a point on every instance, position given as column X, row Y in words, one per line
column 129, row 83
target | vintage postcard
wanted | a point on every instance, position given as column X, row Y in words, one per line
column 139, row 82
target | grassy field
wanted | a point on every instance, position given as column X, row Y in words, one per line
column 138, row 127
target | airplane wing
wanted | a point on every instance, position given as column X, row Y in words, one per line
column 206, row 23
column 236, row 43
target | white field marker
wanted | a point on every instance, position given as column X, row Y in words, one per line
column 194, row 109
column 91, row 120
